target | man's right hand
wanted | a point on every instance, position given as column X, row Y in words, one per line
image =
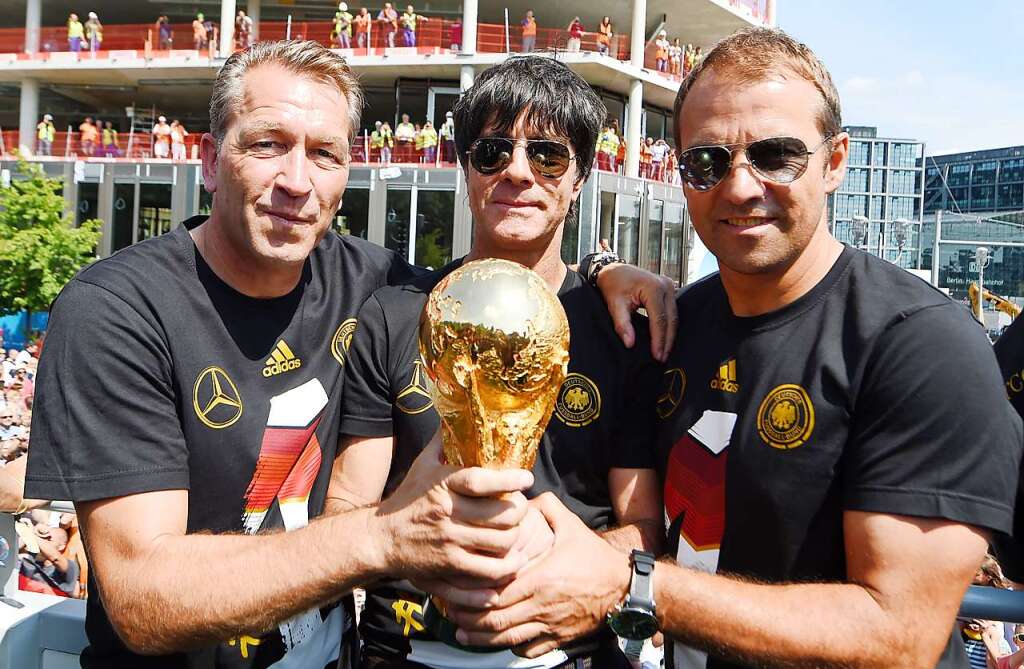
column 447, row 522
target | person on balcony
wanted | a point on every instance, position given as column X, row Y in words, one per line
column 178, row 135
column 388, row 21
column 200, row 38
column 382, row 140
column 161, row 138
column 529, row 25
column 164, row 33
column 361, row 23
column 410, row 20
column 45, row 133
column 110, row 145
column 76, row 33
column 661, row 52
column 342, row 33
column 243, row 30
column 576, row 33
column 675, row 57
column 405, row 135
column 447, row 135
column 658, row 152
column 94, row 32
column 428, row 140
column 88, row 134
column 604, row 36
column 607, row 147
column 646, row 158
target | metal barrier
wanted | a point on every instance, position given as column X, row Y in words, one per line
column 988, row 603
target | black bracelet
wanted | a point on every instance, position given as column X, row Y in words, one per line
column 593, row 263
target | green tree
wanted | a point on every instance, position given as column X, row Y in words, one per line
column 40, row 247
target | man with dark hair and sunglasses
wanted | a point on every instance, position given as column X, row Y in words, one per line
column 834, row 440
column 525, row 133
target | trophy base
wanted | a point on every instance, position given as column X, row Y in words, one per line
column 444, row 630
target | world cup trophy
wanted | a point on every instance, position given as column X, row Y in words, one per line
column 495, row 343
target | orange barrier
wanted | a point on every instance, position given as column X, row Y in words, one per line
column 431, row 34
column 69, row 145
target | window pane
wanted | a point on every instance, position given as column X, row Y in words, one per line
column 396, row 221
column 88, row 195
column 654, row 236
column 154, row 210
column 124, row 211
column 672, row 253
column 353, row 217
column 628, row 223
column 435, row 213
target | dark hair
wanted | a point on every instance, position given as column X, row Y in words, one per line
column 555, row 98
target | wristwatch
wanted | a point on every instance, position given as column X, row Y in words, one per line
column 634, row 618
column 593, row 263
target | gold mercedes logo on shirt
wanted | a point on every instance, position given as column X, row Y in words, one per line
column 215, row 398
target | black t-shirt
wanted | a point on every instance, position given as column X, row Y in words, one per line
column 873, row 392
column 157, row 375
column 603, row 419
column 1009, row 350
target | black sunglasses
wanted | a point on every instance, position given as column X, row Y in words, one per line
column 779, row 159
column 490, row 155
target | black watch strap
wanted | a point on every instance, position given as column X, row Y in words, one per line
column 641, row 586
column 593, row 263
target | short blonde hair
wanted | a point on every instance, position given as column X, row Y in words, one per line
column 304, row 58
column 753, row 54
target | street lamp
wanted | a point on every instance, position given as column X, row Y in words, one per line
column 982, row 258
column 901, row 235
column 861, row 226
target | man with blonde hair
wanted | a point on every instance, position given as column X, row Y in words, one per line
column 188, row 403
column 835, row 442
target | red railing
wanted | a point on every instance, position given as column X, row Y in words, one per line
column 69, row 144
column 431, row 34
column 362, row 154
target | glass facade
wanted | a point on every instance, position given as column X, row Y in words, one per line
column 435, row 213
column 628, row 228
column 976, row 181
column 884, row 183
column 673, row 249
column 652, row 254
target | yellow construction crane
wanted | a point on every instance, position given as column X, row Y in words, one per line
column 1000, row 303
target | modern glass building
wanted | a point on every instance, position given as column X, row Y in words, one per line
column 878, row 207
column 990, row 180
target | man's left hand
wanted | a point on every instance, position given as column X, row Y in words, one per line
column 626, row 288
column 564, row 595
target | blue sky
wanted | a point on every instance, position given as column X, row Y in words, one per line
column 949, row 73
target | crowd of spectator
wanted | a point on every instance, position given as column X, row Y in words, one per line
column 51, row 558
column 657, row 159
column 88, row 34
column 95, row 138
column 353, row 29
column 992, row 644
column 673, row 58
column 412, row 142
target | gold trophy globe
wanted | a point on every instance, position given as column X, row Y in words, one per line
column 495, row 343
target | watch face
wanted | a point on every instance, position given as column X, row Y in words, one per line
column 635, row 624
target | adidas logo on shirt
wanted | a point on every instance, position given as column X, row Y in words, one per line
column 726, row 379
column 281, row 360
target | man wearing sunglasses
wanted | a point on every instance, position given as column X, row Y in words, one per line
column 526, row 134
column 834, row 440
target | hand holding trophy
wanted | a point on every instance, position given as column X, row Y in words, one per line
column 495, row 342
